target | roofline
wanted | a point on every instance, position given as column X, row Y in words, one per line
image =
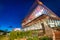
column 43, row 16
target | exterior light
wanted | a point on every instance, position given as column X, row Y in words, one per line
column 39, row 2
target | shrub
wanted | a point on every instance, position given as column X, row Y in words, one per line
column 35, row 38
column 29, row 39
column 45, row 38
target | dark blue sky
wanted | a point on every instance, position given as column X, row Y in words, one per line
column 12, row 12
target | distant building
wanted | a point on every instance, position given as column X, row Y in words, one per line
column 41, row 18
column 17, row 29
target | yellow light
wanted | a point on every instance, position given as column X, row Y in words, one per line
column 40, row 2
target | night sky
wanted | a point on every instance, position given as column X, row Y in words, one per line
column 12, row 12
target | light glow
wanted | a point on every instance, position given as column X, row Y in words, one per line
column 39, row 13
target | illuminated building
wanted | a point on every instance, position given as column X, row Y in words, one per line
column 40, row 18
column 17, row 29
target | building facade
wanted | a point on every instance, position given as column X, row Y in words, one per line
column 41, row 18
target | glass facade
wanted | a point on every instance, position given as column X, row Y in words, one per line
column 34, row 27
column 53, row 23
column 50, row 22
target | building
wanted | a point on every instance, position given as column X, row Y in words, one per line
column 39, row 14
column 17, row 29
column 41, row 18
